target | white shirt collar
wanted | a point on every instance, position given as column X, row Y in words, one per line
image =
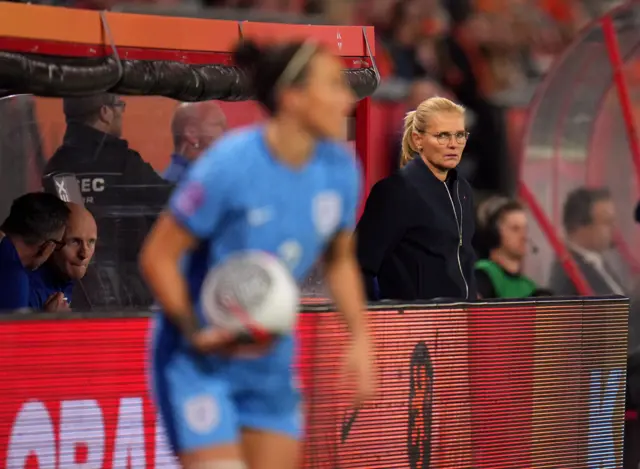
column 596, row 260
column 592, row 257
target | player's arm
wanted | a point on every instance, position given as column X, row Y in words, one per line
column 160, row 258
column 344, row 281
column 342, row 272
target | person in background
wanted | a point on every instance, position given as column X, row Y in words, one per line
column 589, row 219
column 464, row 71
column 28, row 236
column 194, row 127
column 414, row 236
column 502, row 235
column 93, row 149
column 401, row 35
column 60, row 274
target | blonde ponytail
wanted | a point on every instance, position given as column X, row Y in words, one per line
column 416, row 121
column 408, row 151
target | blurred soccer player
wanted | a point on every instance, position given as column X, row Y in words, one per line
column 194, row 127
column 286, row 187
column 55, row 280
column 28, row 236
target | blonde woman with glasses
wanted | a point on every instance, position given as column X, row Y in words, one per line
column 414, row 237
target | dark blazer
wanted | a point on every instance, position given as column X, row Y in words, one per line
column 414, row 237
column 562, row 285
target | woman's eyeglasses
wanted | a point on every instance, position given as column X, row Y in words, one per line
column 445, row 137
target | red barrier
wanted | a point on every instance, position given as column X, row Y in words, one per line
column 508, row 385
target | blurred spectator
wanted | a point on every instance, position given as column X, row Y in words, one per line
column 59, row 276
column 414, row 237
column 33, row 229
column 465, row 72
column 94, row 151
column 589, row 220
column 423, row 89
column 401, row 37
column 194, row 127
column 501, row 236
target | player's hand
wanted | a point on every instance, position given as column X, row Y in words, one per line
column 56, row 303
column 361, row 366
column 221, row 341
column 212, row 340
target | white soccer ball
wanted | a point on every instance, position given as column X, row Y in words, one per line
column 251, row 293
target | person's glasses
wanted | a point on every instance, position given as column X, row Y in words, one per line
column 445, row 137
column 58, row 244
column 119, row 105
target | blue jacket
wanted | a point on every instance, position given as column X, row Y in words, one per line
column 44, row 282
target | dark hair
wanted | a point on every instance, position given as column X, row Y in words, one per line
column 487, row 235
column 86, row 109
column 578, row 206
column 273, row 67
column 36, row 217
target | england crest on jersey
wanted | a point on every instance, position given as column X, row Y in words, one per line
column 327, row 210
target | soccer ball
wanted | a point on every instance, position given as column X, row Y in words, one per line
column 251, row 293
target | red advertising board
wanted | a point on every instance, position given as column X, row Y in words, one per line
column 491, row 386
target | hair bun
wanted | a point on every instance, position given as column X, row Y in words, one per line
column 247, row 54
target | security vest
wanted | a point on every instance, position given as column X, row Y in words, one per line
column 505, row 285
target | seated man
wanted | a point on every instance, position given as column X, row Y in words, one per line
column 30, row 234
column 501, row 239
column 589, row 219
column 194, row 127
column 56, row 279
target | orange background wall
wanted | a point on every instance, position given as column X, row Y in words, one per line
column 147, row 128
column 146, row 124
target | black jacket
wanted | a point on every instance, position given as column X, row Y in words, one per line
column 415, row 235
column 103, row 164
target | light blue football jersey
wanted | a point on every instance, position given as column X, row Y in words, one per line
column 238, row 196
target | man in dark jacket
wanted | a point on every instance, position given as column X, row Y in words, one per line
column 124, row 193
column 94, row 151
column 589, row 219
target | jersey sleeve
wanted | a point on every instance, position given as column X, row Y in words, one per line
column 201, row 199
column 351, row 190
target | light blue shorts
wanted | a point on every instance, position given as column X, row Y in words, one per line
column 205, row 401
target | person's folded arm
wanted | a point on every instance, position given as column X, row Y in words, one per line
column 381, row 226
